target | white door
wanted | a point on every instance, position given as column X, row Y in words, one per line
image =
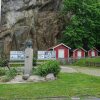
column 79, row 54
column 93, row 53
column 61, row 53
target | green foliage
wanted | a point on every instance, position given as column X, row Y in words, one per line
column 3, row 62
column 48, row 67
column 10, row 74
column 82, row 62
column 2, row 72
column 83, row 28
column 34, row 61
column 62, row 61
column 16, row 65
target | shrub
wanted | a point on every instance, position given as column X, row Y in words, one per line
column 5, row 79
column 82, row 62
column 62, row 61
column 48, row 67
column 34, row 61
column 2, row 72
column 16, row 65
column 10, row 74
column 3, row 62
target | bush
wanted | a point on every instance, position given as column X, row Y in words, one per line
column 10, row 74
column 5, row 79
column 2, row 72
column 48, row 67
column 3, row 62
column 34, row 61
column 62, row 61
column 16, row 65
column 82, row 62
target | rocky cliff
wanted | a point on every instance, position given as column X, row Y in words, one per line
column 21, row 20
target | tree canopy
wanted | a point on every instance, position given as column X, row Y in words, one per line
column 83, row 29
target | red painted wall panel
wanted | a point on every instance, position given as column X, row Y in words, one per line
column 75, row 53
column 96, row 53
column 66, row 51
column 83, row 53
column 90, row 53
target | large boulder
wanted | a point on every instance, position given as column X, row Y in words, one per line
column 50, row 77
column 36, row 78
column 26, row 76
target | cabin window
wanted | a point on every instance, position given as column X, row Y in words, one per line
column 93, row 53
column 79, row 54
column 61, row 53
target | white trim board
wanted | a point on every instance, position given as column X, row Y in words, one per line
column 61, row 44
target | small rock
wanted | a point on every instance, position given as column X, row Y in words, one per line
column 75, row 98
column 50, row 77
column 18, row 78
column 35, row 78
column 26, row 76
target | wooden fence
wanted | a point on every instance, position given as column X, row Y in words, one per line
column 93, row 64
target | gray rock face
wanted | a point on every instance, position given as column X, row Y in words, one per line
column 35, row 78
column 26, row 76
column 17, row 79
column 35, row 19
column 50, row 77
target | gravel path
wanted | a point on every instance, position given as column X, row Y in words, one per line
column 68, row 69
column 85, row 70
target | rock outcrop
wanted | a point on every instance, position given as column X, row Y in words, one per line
column 29, row 19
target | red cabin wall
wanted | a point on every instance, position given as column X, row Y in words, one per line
column 66, row 51
column 96, row 53
column 83, row 53
column 90, row 53
column 75, row 53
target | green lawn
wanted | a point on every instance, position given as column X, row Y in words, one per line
column 69, row 85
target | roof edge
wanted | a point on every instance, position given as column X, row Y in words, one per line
column 79, row 48
column 94, row 48
column 61, row 44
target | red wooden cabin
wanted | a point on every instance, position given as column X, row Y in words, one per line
column 93, row 52
column 62, row 51
column 79, row 53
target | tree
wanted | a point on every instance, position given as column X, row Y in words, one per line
column 84, row 25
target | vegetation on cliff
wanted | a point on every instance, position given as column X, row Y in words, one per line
column 83, row 27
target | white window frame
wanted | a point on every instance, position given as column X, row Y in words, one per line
column 59, row 53
column 93, row 53
column 79, row 53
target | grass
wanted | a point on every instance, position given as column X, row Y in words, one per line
column 82, row 62
column 69, row 85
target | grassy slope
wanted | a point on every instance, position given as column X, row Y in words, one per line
column 75, row 84
column 81, row 62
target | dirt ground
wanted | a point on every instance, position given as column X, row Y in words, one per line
column 85, row 70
